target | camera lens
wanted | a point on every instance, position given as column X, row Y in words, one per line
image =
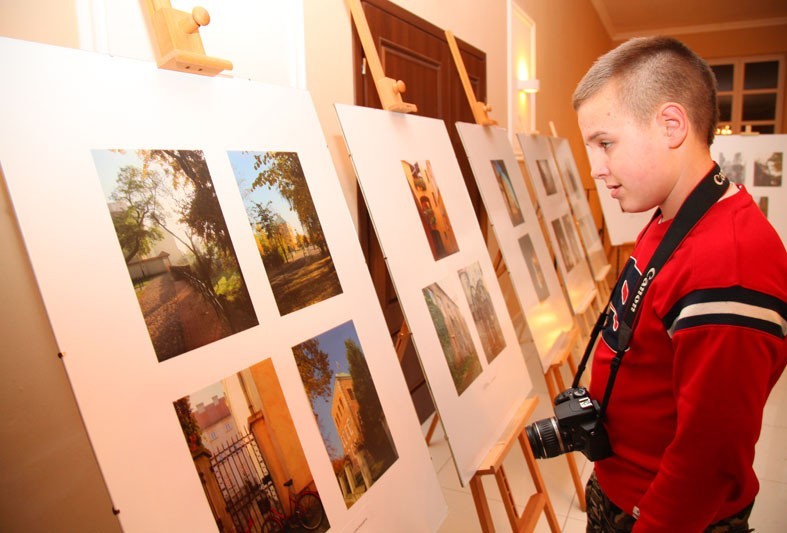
column 544, row 437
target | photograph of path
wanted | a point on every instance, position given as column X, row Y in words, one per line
column 176, row 247
column 458, row 348
column 286, row 228
column 344, row 399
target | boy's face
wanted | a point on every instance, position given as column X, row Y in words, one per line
column 627, row 154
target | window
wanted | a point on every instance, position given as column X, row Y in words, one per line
column 750, row 91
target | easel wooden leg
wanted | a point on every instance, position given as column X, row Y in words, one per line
column 541, row 488
column 481, row 505
column 432, row 427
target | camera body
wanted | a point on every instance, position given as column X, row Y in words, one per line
column 573, row 428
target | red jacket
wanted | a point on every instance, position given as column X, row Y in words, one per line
column 709, row 345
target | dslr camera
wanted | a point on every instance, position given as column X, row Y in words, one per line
column 573, row 428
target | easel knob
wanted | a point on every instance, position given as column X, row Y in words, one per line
column 199, row 17
column 400, row 87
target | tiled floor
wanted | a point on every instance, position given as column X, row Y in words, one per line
column 770, row 509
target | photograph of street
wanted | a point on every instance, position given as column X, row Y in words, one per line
column 484, row 316
column 286, row 228
column 176, row 246
column 431, row 209
column 454, row 335
column 247, row 454
column 562, row 241
column 507, row 190
column 347, row 408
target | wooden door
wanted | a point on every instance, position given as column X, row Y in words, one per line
column 415, row 51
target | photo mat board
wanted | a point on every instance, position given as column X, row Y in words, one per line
column 756, row 162
column 520, row 239
column 179, row 166
column 580, row 208
column 476, row 383
column 561, row 230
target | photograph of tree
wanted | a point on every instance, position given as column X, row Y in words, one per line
column 534, row 267
column 484, row 316
column 431, row 209
column 546, row 176
column 562, row 241
column 286, row 228
column 454, row 335
column 768, row 170
column 176, row 246
column 247, row 453
column 507, row 190
column 344, row 399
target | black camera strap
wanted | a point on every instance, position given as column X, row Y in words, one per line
column 705, row 194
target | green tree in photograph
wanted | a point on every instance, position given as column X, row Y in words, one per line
column 283, row 171
column 133, row 214
column 314, row 368
column 188, row 423
column 374, row 426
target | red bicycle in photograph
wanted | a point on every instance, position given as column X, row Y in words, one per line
column 306, row 512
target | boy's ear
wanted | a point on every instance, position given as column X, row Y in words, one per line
column 675, row 123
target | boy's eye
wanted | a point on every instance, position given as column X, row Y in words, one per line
column 605, row 144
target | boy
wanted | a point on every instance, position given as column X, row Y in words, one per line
column 709, row 339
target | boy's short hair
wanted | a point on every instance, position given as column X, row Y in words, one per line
column 649, row 71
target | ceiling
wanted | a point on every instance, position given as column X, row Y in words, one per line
column 628, row 18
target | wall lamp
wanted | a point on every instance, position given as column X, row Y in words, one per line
column 528, row 86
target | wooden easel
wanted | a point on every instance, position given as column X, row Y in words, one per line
column 493, row 463
column 389, row 90
column 177, row 42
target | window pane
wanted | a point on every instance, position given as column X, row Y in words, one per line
column 761, row 75
column 723, row 77
column 725, row 108
column 759, row 106
column 762, row 128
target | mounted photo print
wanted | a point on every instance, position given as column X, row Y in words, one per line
column 591, row 243
column 347, row 408
column 522, row 244
column 507, row 190
column 426, row 195
column 472, row 362
column 180, row 257
column 286, row 228
column 176, row 247
column 572, row 262
column 756, row 162
column 484, row 317
column 247, row 454
column 455, row 339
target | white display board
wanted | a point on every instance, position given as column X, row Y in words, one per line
column 442, row 274
column 571, row 260
column 756, row 161
column 518, row 233
column 572, row 185
column 90, row 146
